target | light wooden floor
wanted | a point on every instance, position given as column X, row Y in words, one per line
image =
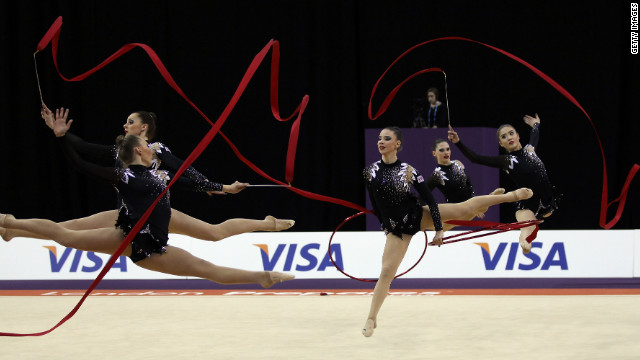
column 324, row 327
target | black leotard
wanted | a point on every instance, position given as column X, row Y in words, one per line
column 452, row 181
column 399, row 210
column 138, row 188
column 527, row 170
column 164, row 163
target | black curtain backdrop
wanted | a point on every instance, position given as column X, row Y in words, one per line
column 334, row 51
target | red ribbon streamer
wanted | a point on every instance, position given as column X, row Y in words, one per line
column 604, row 205
column 489, row 225
column 426, row 243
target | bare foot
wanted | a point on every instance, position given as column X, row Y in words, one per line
column 274, row 277
column 522, row 194
column 525, row 245
column 498, row 191
column 4, row 234
column 280, row 224
column 367, row 330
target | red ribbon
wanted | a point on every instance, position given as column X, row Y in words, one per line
column 489, row 225
column 426, row 243
column 604, row 204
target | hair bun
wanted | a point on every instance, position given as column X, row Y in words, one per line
column 120, row 140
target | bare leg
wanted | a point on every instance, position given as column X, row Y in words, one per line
column 184, row 224
column 103, row 219
column 470, row 207
column 480, row 214
column 175, row 261
column 180, row 223
column 179, row 262
column 105, row 240
column 525, row 215
column 394, row 250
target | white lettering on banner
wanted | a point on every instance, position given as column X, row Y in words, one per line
column 146, row 293
column 343, row 293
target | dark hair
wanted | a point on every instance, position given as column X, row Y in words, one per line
column 502, row 127
column 148, row 118
column 397, row 132
column 126, row 144
column 435, row 91
column 436, row 142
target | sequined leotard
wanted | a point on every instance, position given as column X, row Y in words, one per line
column 164, row 163
column 526, row 169
column 452, row 181
column 138, row 187
column 399, row 210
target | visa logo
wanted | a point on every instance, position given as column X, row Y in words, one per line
column 91, row 262
column 304, row 258
column 543, row 260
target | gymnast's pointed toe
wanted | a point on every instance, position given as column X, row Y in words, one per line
column 368, row 328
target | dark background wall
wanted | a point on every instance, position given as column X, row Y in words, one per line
column 334, row 51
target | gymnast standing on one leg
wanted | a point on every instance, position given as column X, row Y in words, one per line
column 164, row 162
column 139, row 188
column 389, row 184
column 523, row 165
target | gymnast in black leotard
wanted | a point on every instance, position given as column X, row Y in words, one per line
column 138, row 187
column 523, row 165
column 449, row 176
column 389, row 183
column 149, row 249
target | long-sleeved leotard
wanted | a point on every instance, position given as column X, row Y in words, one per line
column 526, row 169
column 399, row 210
column 452, row 181
column 164, row 163
column 138, row 188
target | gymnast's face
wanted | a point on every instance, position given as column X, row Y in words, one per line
column 509, row 139
column 134, row 125
column 388, row 143
column 442, row 153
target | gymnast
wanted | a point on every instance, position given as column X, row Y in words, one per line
column 451, row 178
column 525, row 168
column 164, row 162
column 389, row 184
column 139, row 188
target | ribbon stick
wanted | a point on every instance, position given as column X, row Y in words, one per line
column 604, row 203
column 38, row 80
column 267, row 185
